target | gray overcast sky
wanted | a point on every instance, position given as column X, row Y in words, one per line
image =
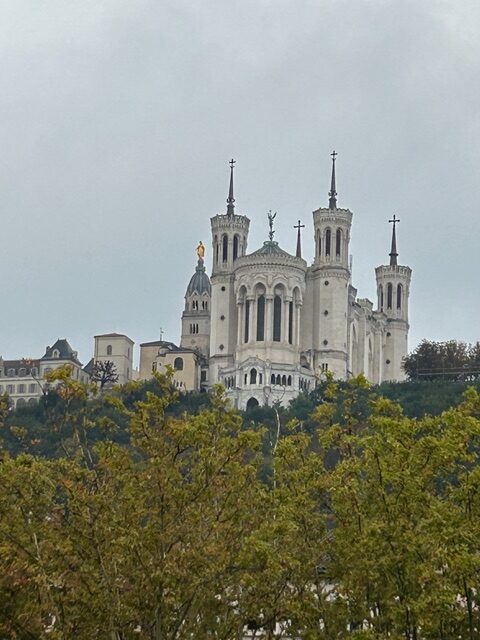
column 118, row 118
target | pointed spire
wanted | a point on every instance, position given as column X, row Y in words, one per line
column 332, row 203
column 299, row 226
column 393, row 252
column 231, row 199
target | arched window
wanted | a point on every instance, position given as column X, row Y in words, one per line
column 253, row 376
column 178, row 364
column 236, row 240
column 252, row 403
column 217, row 248
column 109, row 350
column 260, row 378
column 389, row 295
column 289, row 381
column 290, row 322
column 279, row 380
column 225, row 248
column 261, row 318
column 380, row 297
column 247, row 320
column 328, row 242
column 277, row 318
column 284, row 381
column 338, row 243
column 272, row 379
column 319, row 244
column 399, row 296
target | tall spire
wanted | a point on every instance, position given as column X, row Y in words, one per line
column 393, row 251
column 332, row 203
column 299, row 226
column 231, row 199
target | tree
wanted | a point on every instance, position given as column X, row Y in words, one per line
column 104, row 373
column 452, row 360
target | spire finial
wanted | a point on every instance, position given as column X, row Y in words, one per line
column 393, row 252
column 231, row 199
column 271, row 218
column 299, row 226
column 332, row 203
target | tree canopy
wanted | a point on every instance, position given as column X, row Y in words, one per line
column 365, row 525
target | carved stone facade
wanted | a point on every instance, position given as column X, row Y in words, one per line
column 276, row 324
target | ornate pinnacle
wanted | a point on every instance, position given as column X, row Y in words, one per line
column 393, row 252
column 332, row 203
column 231, row 199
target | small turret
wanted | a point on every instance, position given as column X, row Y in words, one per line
column 393, row 290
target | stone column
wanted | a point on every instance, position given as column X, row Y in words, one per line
column 268, row 318
column 252, row 320
column 240, row 311
column 285, row 314
column 297, row 311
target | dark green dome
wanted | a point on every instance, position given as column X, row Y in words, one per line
column 200, row 282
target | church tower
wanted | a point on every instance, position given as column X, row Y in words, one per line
column 393, row 290
column 330, row 277
column 229, row 241
column 196, row 315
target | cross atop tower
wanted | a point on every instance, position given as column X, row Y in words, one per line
column 299, row 226
column 393, row 251
column 332, row 203
column 231, row 199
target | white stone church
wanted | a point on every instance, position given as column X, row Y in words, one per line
column 267, row 325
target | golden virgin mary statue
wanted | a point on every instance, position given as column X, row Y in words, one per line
column 201, row 250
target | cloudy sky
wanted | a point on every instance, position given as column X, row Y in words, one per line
column 118, row 118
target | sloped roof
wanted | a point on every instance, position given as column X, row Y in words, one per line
column 65, row 352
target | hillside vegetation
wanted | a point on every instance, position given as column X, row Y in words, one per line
column 155, row 516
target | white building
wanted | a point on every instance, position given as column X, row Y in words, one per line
column 24, row 380
column 270, row 324
column 116, row 348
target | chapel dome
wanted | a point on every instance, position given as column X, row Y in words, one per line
column 199, row 282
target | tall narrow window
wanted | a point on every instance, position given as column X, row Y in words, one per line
column 247, row 320
column 338, row 242
column 399, row 296
column 328, row 242
column 389, row 295
column 261, row 318
column 253, row 376
column 277, row 318
column 109, row 350
column 380, row 297
column 225, row 248
column 319, row 244
column 235, row 247
column 290, row 323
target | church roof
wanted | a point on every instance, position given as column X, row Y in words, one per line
column 270, row 248
column 199, row 282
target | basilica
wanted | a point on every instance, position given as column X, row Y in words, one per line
column 267, row 325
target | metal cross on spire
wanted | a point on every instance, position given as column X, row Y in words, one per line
column 231, row 199
column 271, row 218
column 332, row 203
column 393, row 252
column 299, row 226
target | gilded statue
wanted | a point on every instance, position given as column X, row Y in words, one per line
column 201, row 250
